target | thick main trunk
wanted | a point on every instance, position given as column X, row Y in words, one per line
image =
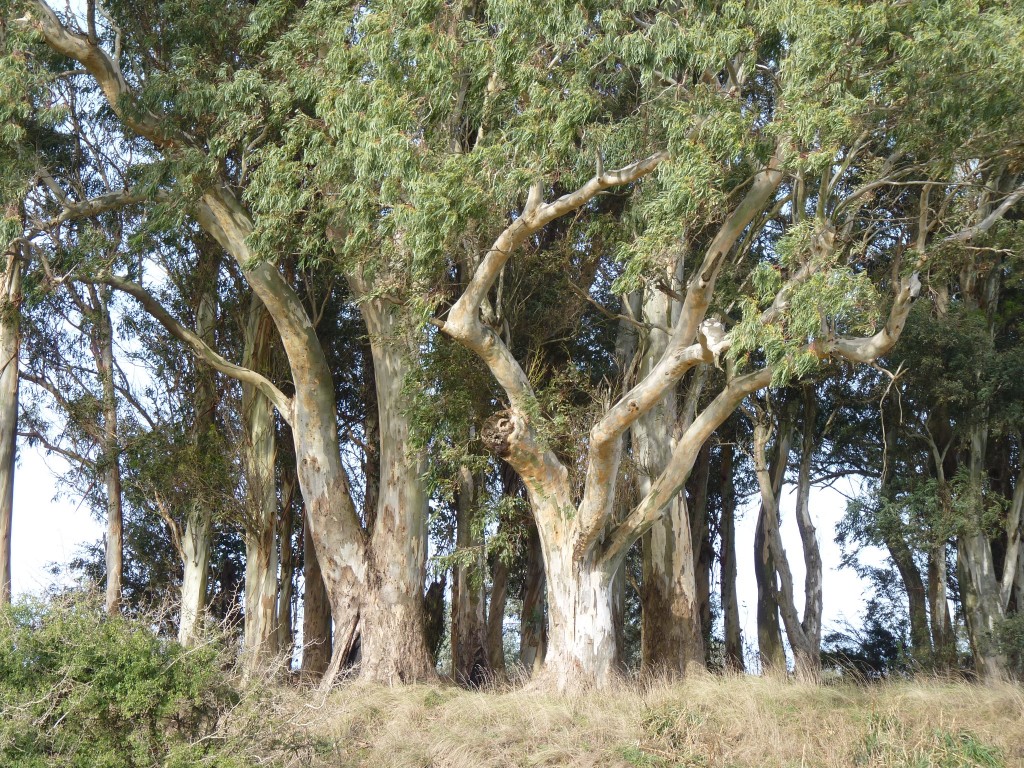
column 10, row 345
column 394, row 646
column 730, row 600
column 979, row 584
column 196, row 541
column 470, row 663
column 259, row 452
column 581, row 642
column 671, row 638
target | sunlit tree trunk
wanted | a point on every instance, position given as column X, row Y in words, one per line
column 259, row 457
column 10, row 345
column 196, row 540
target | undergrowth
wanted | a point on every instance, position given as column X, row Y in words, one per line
column 80, row 689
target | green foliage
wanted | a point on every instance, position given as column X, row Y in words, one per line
column 78, row 688
column 1009, row 636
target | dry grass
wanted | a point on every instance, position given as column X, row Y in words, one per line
column 710, row 721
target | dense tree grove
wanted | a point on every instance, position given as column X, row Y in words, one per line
column 436, row 336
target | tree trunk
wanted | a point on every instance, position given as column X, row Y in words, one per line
column 285, row 612
column 469, row 626
column 316, row 612
column 102, row 343
column 703, row 552
column 196, row 541
column 730, row 600
column 581, row 644
column 806, row 654
column 671, row 639
column 769, row 629
column 259, row 454
column 393, row 643
column 978, row 583
column 811, row 621
column 943, row 640
column 496, row 617
column 10, row 346
column 533, row 625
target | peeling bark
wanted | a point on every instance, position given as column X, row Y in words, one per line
column 316, row 612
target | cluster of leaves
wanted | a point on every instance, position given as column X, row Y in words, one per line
column 80, row 688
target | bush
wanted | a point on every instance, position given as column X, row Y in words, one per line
column 78, row 688
column 1010, row 641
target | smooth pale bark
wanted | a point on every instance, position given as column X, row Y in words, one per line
column 769, row 629
column 259, row 457
column 10, row 345
column 196, row 539
column 533, row 625
column 316, row 612
column 943, row 639
column 730, row 600
column 102, row 343
column 470, row 662
column 979, row 584
column 286, row 594
column 392, row 623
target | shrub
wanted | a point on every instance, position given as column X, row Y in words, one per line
column 78, row 688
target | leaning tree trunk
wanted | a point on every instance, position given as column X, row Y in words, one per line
column 730, row 600
column 10, row 345
column 806, row 654
column 810, row 624
column 259, row 456
column 769, row 629
column 470, row 663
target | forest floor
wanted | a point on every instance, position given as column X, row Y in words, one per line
column 735, row 721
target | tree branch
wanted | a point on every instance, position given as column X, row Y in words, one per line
column 204, row 351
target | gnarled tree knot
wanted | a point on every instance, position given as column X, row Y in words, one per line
column 496, row 431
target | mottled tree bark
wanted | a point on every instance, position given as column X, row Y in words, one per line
column 10, row 345
column 533, row 623
column 769, row 629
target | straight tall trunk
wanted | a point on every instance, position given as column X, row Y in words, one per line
column 703, row 553
column 496, row 617
column 730, row 600
column 979, row 585
column 286, row 594
column 259, row 452
column 10, row 345
column 943, row 640
column 196, row 540
column 671, row 636
column 469, row 625
column 102, row 344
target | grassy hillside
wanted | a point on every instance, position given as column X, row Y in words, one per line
column 714, row 721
